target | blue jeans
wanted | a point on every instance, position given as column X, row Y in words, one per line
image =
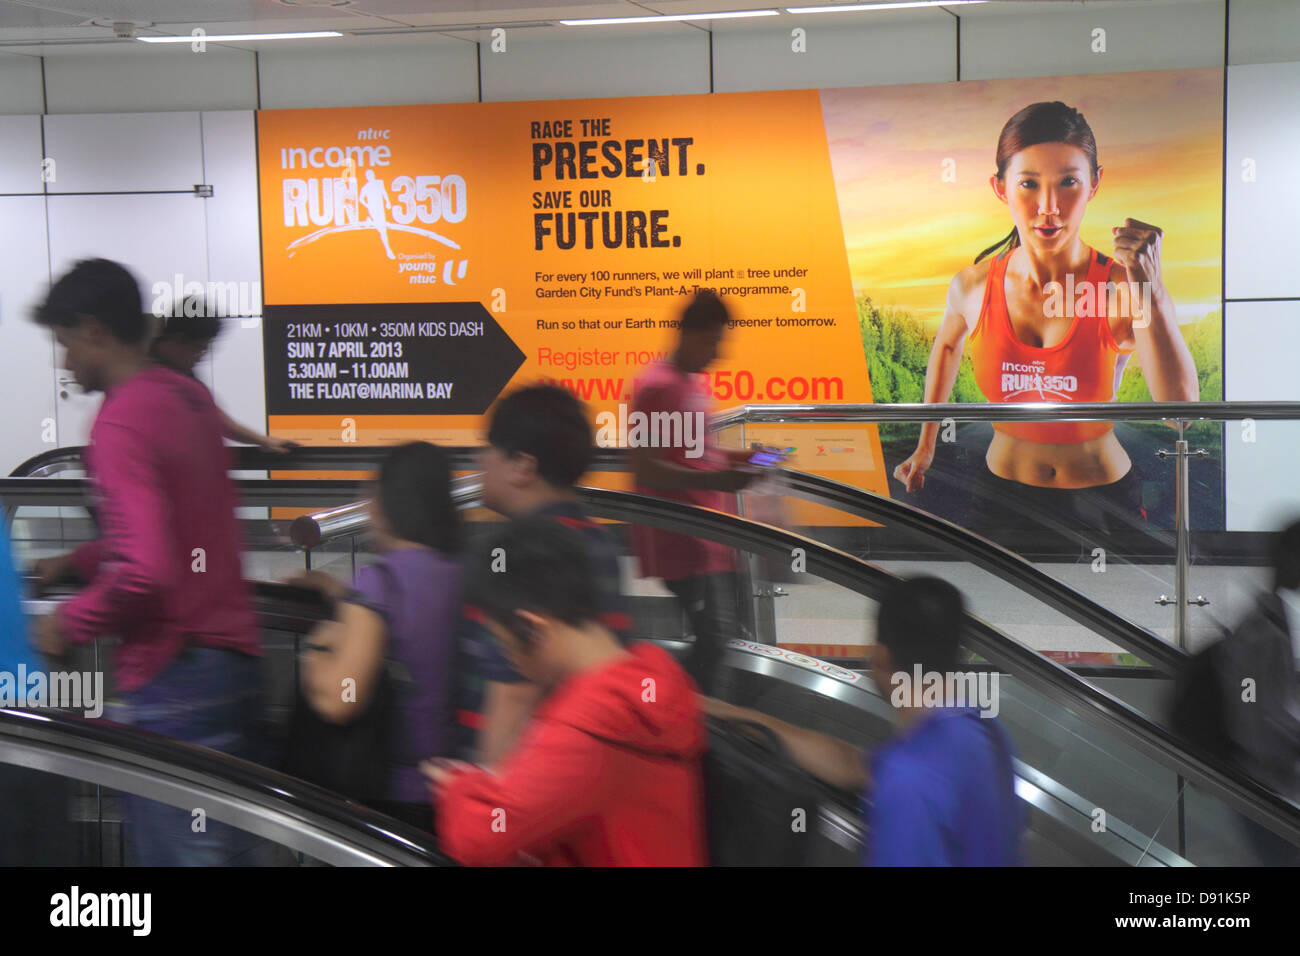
column 207, row 697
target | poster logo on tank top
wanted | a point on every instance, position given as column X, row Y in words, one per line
column 1031, row 378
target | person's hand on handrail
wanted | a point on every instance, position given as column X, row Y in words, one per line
column 829, row 759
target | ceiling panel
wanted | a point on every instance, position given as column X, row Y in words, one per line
column 18, row 16
column 52, row 23
column 154, row 11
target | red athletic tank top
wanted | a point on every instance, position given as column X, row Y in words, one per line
column 1081, row 368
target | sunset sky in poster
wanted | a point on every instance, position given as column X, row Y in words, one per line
column 907, row 232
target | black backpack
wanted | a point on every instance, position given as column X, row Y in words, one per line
column 352, row 759
column 752, row 790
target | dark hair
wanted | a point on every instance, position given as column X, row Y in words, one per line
column 415, row 496
column 533, row 564
column 103, row 290
column 705, row 312
column 191, row 320
column 1038, row 123
column 1286, row 557
column 548, row 423
column 920, row 622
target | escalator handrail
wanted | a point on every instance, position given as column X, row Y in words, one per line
column 1052, row 807
column 1055, row 681
column 738, row 532
column 293, row 608
column 853, row 573
column 55, row 456
column 1052, row 678
column 310, row 458
column 980, row 551
column 59, row 734
column 254, row 459
column 296, row 609
column 917, row 412
column 995, row 559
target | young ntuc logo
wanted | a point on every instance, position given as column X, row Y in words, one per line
column 1031, row 379
column 348, row 195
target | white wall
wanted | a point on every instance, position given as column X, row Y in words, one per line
column 209, row 97
column 1262, row 316
column 1262, row 492
column 26, row 352
column 389, row 72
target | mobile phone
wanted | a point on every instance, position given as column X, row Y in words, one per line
column 767, row 457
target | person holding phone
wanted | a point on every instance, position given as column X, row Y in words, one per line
column 1030, row 344
column 700, row 574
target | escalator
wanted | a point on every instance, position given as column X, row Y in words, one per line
column 1090, row 765
column 1103, row 782
column 1079, row 742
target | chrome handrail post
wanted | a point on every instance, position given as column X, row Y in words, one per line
column 1182, row 546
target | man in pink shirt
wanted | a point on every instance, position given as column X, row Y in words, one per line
column 700, row 573
column 164, row 576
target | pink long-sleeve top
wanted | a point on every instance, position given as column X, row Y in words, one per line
column 166, row 569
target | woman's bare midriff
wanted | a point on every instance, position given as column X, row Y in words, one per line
column 1099, row 461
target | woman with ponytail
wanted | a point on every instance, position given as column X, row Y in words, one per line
column 1029, row 342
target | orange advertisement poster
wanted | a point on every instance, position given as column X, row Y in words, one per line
column 418, row 261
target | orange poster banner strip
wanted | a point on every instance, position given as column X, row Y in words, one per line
column 420, row 260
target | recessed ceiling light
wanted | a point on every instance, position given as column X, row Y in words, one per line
column 667, row 18
column 235, row 37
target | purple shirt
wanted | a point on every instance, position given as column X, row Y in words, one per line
column 417, row 592
column 166, row 569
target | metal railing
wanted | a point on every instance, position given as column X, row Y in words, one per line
column 1176, row 414
column 1054, row 680
column 310, row 531
column 305, row 818
column 1093, row 704
column 872, row 414
column 253, row 798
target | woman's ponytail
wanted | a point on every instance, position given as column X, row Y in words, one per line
column 1009, row 241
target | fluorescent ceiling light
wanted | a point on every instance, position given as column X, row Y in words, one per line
column 840, row 8
column 666, row 18
column 219, row 37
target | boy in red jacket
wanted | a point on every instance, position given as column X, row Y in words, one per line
column 607, row 773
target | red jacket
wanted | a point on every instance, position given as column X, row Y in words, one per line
column 607, row 773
